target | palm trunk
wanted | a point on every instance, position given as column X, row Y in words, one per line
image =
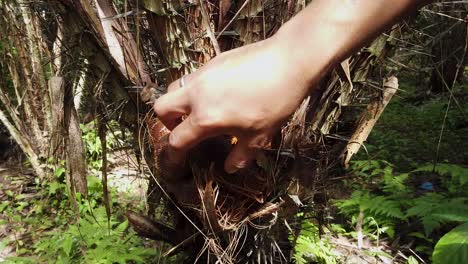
column 319, row 148
column 118, row 49
column 32, row 119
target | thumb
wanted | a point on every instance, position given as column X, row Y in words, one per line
column 185, row 136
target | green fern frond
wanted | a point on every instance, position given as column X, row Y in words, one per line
column 396, row 185
column 382, row 205
column 435, row 209
column 458, row 173
column 370, row 204
column 91, row 241
column 425, row 204
column 311, row 248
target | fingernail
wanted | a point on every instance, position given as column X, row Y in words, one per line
column 242, row 164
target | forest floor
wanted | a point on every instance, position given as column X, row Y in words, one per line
column 127, row 178
column 15, row 182
column 17, row 186
column 18, row 191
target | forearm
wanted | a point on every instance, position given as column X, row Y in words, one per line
column 260, row 85
column 328, row 31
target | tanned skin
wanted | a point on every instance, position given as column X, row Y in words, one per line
column 250, row 92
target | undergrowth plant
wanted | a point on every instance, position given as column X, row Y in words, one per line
column 62, row 236
column 408, row 131
column 93, row 143
column 93, row 239
column 311, row 247
column 423, row 203
column 452, row 247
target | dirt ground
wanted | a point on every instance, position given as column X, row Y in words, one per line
column 14, row 180
column 17, row 180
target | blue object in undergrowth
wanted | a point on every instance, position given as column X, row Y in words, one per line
column 426, row 186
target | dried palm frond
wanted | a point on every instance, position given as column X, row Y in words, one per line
column 225, row 218
column 253, row 203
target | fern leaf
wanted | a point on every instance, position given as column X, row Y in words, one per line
column 382, row 205
column 434, row 209
column 458, row 173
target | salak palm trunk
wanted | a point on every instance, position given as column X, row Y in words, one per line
column 210, row 215
column 241, row 218
column 37, row 105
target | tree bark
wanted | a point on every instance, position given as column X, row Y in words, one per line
column 36, row 121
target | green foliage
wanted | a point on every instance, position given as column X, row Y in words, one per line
column 452, row 247
column 371, row 204
column 311, row 248
column 84, row 238
column 388, row 199
column 379, row 174
column 412, row 260
column 381, row 212
column 408, row 131
column 91, row 241
column 93, row 143
column 91, row 139
column 458, row 174
column 449, row 205
column 435, row 209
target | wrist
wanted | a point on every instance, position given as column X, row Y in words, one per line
column 327, row 31
column 310, row 52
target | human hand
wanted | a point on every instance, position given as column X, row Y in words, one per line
column 247, row 92
column 250, row 92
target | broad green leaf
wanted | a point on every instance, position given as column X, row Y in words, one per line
column 452, row 247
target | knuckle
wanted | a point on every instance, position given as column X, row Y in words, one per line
column 208, row 120
column 157, row 107
column 172, row 87
column 174, row 142
column 254, row 121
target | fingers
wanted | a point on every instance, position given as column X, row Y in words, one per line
column 239, row 157
column 245, row 151
column 174, row 104
column 185, row 136
column 171, row 107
